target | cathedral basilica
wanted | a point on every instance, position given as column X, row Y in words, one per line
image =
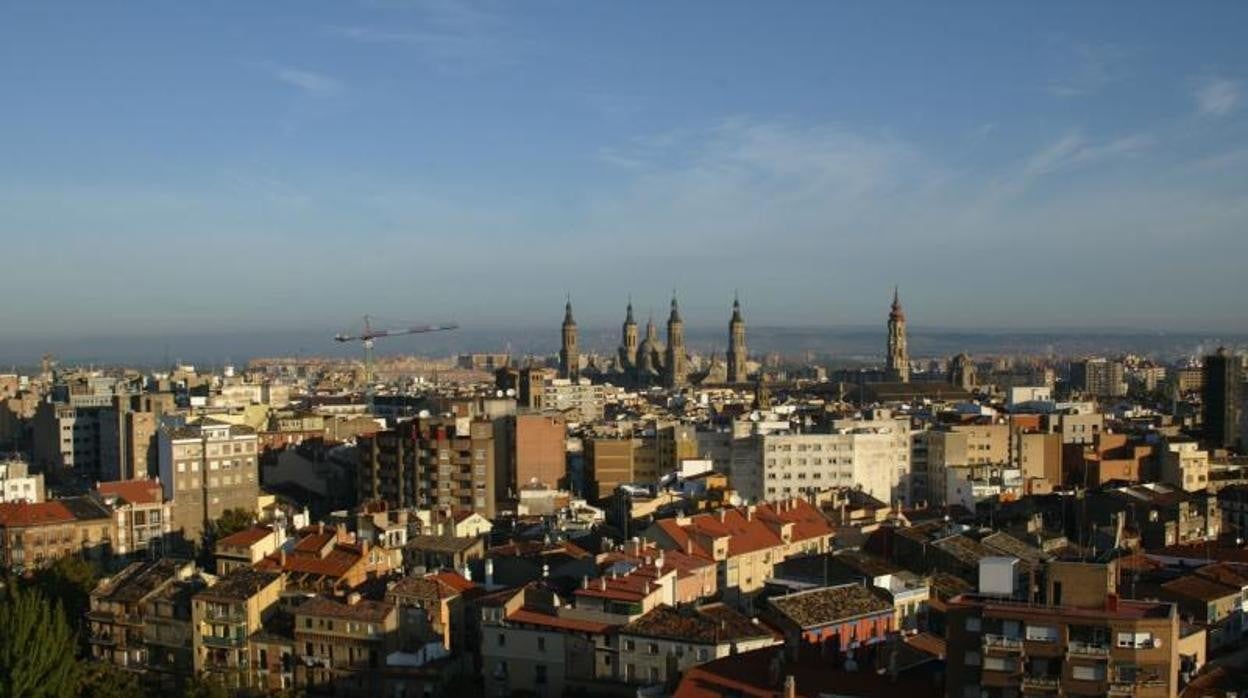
column 650, row 362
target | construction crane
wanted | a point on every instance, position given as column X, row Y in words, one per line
column 370, row 335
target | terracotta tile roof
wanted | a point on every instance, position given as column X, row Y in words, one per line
column 133, row 491
column 818, row 607
column 440, row 544
column 528, row 548
column 337, row 562
column 529, row 616
column 315, row 542
column 364, row 610
column 708, row 625
column 23, row 514
column 1196, row 587
column 633, row 586
column 246, row 537
column 928, row 642
column 1138, row 562
column 455, row 581
column 424, row 588
column 1226, row 573
column 747, row 532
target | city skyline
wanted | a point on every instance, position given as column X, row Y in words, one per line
column 452, row 159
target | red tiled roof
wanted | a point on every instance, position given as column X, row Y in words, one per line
column 21, row 514
column 634, row 586
column 338, row 563
column 246, row 537
column 133, row 491
column 314, row 542
column 532, row 617
column 455, row 581
column 747, row 532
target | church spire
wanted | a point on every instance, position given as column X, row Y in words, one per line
column 675, row 316
column 628, row 318
column 567, row 312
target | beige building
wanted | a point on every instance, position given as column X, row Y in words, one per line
column 692, row 636
column 341, row 646
column 206, row 467
column 143, row 518
column 1084, row 641
column 1186, row 466
column 224, row 616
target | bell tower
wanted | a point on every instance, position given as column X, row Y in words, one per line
column 569, row 354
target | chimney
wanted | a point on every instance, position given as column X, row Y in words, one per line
column 281, row 558
column 353, row 598
column 749, row 513
column 585, row 582
column 489, row 572
column 467, row 572
column 790, row 687
column 320, row 527
column 1111, row 603
column 689, row 546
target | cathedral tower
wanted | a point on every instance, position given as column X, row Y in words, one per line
column 736, row 344
column 628, row 341
column 569, row 355
column 897, row 368
column 675, row 365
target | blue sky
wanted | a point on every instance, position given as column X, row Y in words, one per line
column 178, row 166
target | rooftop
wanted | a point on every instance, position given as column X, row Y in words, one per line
column 246, row 537
column 133, row 491
column 440, row 544
column 708, row 625
column 819, row 607
column 1127, row 608
column 239, row 585
column 137, row 581
column 364, row 610
column 1194, row 586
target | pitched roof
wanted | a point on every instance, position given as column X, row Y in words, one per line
column 1196, row 587
column 531, row 616
column 239, row 585
column 455, row 581
column 133, row 491
column 365, row 610
column 22, row 514
column 246, row 537
column 712, row 624
column 747, row 531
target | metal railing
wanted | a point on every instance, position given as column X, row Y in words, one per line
column 1041, row 683
column 1001, row 642
column 1076, row 648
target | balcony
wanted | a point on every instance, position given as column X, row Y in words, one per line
column 1041, row 683
column 1001, row 643
column 1121, row 688
column 1087, row 650
column 227, row 615
column 218, row 641
column 104, row 639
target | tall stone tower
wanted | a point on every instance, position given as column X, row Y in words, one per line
column 677, row 373
column 569, row 354
column 628, row 341
column 897, row 368
column 736, row 344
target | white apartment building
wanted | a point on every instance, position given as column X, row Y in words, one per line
column 873, row 454
column 17, row 484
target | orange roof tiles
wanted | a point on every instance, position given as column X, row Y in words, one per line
column 133, row 491
column 532, row 617
column 246, row 537
column 748, row 532
column 21, row 514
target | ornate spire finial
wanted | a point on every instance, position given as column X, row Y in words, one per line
column 628, row 318
column 567, row 311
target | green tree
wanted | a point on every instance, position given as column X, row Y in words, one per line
column 69, row 581
column 200, row 687
column 231, row 521
column 104, row 680
column 36, row 646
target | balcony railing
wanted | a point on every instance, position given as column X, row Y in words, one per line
column 1001, row 642
column 219, row 641
column 228, row 615
column 1041, row 683
column 1076, row 648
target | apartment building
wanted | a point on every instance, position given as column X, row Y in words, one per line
column 689, row 635
column 224, row 616
column 1184, row 464
column 340, row 645
column 580, row 399
column 117, row 607
column 169, row 633
column 206, row 467
column 1084, row 640
column 33, row 535
column 746, row 543
column 246, row 548
column 143, row 518
column 872, row 453
column 17, row 483
column 431, row 463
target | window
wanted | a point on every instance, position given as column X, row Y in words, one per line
column 1087, row 673
column 502, row 640
column 1042, row 633
column 540, row 674
column 629, row 645
column 541, row 644
column 703, row 654
column 1000, row 664
column 652, row 648
column 972, row 659
column 972, row 624
column 1137, row 640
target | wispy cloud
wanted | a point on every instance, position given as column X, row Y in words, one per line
column 1088, row 69
column 454, row 35
column 1216, row 97
column 1073, row 150
column 306, row 80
